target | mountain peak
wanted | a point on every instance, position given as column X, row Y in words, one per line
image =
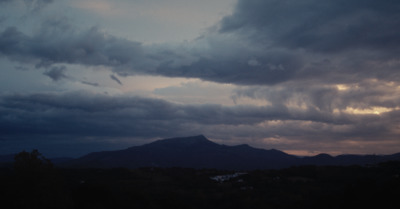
column 193, row 151
column 186, row 141
column 242, row 146
column 323, row 156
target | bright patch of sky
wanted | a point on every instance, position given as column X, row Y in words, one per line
column 154, row 21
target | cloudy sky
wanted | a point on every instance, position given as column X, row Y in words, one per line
column 304, row 77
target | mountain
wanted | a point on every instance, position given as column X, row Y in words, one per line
column 346, row 160
column 199, row 152
column 193, row 152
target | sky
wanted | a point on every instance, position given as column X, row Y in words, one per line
column 305, row 77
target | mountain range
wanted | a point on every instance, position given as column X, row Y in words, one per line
column 199, row 152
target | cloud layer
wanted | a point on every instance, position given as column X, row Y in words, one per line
column 87, row 115
column 325, row 74
column 262, row 42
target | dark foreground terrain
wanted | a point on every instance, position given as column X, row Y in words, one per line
column 308, row 187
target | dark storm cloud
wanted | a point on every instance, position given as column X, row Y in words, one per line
column 317, row 41
column 263, row 42
column 327, row 26
column 56, row 73
column 237, row 69
column 86, row 115
column 61, row 44
column 337, row 41
column 113, row 77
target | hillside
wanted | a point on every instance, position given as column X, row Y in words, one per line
column 191, row 152
column 199, row 152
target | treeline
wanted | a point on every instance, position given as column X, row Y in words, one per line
column 33, row 182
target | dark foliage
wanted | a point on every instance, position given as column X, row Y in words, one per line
column 33, row 182
column 296, row 187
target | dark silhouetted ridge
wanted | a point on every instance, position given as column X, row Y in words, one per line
column 192, row 141
column 199, row 152
column 191, row 152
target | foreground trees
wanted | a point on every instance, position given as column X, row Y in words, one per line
column 32, row 164
column 34, row 182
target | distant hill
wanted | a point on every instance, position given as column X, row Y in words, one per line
column 192, row 152
column 325, row 159
column 8, row 160
column 199, row 152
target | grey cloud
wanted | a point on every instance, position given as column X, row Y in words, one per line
column 82, row 114
column 316, row 101
column 223, row 60
column 237, row 70
column 56, row 73
column 22, row 68
column 326, row 98
column 32, row 5
column 2, row 19
column 36, row 5
column 90, row 83
column 261, row 43
column 59, row 43
column 318, row 25
column 290, row 53
column 113, row 77
column 306, row 41
column 64, row 118
column 336, row 41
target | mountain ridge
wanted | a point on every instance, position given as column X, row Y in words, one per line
column 199, row 152
column 194, row 151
